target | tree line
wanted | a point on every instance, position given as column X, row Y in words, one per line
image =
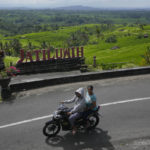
column 13, row 22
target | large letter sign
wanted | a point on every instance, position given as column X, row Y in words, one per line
column 44, row 55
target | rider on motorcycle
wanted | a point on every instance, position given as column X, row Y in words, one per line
column 60, row 119
column 90, row 102
column 78, row 108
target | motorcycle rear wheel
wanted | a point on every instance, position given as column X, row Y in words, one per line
column 94, row 121
column 51, row 129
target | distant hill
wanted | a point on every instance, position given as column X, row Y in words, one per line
column 73, row 8
column 78, row 7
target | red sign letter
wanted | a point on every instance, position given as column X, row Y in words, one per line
column 37, row 55
column 49, row 55
column 59, row 57
column 73, row 52
column 29, row 56
column 44, row 54
column 67, row 53
column 80, row 52
column 21, row 56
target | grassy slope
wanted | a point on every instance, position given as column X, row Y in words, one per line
column 131, row 48
column 55, row 38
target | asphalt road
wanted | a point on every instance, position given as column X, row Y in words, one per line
column 123, row 126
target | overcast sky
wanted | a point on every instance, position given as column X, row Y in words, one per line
column 91, row 3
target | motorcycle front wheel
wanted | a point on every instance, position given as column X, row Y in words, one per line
column 51, row 129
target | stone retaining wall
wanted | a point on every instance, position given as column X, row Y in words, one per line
column 55, row 65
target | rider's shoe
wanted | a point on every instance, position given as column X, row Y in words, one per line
column 74, row 131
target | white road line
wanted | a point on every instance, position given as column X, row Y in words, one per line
column 48, row 116
column 126, row 101
column 25, row 121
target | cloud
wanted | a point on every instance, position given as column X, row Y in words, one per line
column 93, row 3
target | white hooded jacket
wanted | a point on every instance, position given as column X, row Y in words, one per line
column 80, row 103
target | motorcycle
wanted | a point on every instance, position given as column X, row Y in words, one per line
column 60, row 121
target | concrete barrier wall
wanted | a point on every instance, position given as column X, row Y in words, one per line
column 79, row 78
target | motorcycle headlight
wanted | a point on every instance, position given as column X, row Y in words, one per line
column 56, row 114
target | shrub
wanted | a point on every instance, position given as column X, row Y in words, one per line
column 146, row 56
column 140, row 36
column 111, row 39
column 12, row 71
column 77, row 39
column 108, row 66
column 129, row 65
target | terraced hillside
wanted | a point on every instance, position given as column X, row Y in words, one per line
column 109, row 43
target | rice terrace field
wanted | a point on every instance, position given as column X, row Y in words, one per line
column 117, row 36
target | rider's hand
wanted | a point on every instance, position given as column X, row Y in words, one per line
column 69, row 113
column 62, row 102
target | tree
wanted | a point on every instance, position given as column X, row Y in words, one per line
column 16, row 46
column 30, row 45
column 141, row 26
column 7, row 48
column 98, row 32
column 43, row 45
column 54, row 27
column 50, row 47
column 1, row 46
column 78, row 38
